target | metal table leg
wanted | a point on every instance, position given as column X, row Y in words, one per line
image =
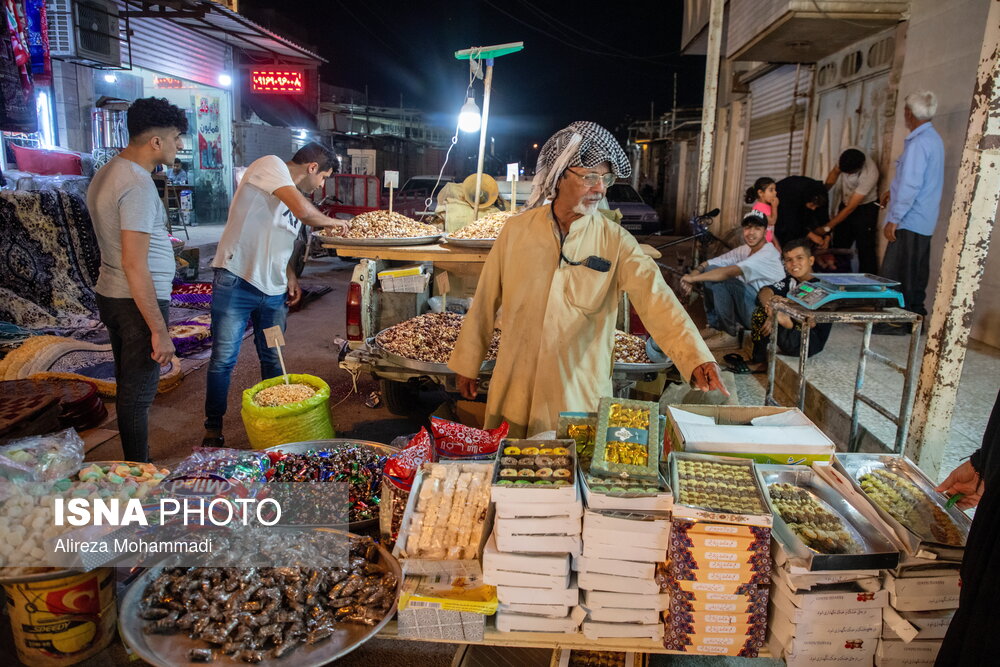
column 859, row 382
column 772, row 360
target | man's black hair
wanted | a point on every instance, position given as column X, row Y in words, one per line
column 154, row 113
column 754, row 219
column 318, row 153
column 851, row 161
column 805, row 244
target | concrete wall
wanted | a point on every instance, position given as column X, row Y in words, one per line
column 943, row 41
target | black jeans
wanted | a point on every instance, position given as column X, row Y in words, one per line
column 136, row 374
column 859, row 228
column 908, row 260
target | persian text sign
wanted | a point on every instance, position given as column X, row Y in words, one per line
column 277, row 80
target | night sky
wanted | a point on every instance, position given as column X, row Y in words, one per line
column 581, row 60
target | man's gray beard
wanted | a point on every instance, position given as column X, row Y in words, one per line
column 583, row 209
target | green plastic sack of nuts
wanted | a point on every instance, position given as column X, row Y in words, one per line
column 301, row 420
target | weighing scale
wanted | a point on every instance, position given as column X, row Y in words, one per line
column 832, row 291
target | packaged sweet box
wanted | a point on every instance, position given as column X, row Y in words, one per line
column 628, row 440
column 536, row 471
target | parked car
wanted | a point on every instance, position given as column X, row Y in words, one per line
column 638, row 217
column 412, row 197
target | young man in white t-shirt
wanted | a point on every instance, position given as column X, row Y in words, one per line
column 732, row 281
column 137, row 263
column 856, row 221
column 254, row 276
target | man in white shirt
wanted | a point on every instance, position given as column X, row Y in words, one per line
column 732, row 281
column 254, row 276
column 137, row 263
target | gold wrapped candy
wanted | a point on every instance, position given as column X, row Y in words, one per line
column 628, row 417
column 626, row 452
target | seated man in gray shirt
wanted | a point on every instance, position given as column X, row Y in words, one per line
column 137, row 263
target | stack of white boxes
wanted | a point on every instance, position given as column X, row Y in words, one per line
column 826, row 617
column 921, row 606
column 536, row 533
column 617, row 573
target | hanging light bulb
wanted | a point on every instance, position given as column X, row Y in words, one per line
column 469, row 118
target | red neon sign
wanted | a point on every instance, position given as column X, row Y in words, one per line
column 271, row 80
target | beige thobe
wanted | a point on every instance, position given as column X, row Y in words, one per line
column 558, row 320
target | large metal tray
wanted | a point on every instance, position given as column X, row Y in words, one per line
column 172, row 650
column 854, row 466
column 469, row 243
column 416, row 365
column 335, row 443
column 621, row 366
column 877, row 552
column 406, row 240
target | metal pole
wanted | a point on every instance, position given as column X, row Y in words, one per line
column 967, row 243
column 804, row 330
column 909, row 387
column 482, row 135
column 709, row 102
column 859, row 383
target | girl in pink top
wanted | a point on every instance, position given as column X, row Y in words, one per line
column 764, row 197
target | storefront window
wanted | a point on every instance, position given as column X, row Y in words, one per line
column 207, row 154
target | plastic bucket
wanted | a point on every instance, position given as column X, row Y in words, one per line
column 63, row 620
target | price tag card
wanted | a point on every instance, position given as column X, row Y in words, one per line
column 391, row 179
column 442, row 282
column 513, row 171
column 274, row 337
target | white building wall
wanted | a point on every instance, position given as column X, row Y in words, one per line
column 943, row 41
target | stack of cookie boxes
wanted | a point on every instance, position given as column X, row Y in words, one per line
column 536, row 533
column 719, row 558
column 626, row 527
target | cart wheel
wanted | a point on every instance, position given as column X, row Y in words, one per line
column 402, row 398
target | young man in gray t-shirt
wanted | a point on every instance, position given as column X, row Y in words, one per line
column 137, row 263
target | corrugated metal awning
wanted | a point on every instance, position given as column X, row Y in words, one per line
column 224, row 25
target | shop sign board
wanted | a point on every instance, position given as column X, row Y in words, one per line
column 281, row 80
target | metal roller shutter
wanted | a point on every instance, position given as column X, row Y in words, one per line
column 777, row 121
column 163, row 46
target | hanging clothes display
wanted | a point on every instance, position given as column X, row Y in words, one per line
column 17, row 104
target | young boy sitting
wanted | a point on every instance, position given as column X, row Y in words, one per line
column 798, row 260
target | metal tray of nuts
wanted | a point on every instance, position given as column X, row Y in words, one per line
column 417, row 365
column 405, row 240
column 469, row 243
column 869, row 549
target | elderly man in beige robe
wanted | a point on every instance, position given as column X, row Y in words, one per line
column 557, row 273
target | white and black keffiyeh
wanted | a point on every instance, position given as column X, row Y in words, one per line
column 581, row 144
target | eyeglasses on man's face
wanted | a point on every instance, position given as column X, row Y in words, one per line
column 591, row 179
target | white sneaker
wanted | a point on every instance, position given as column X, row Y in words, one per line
column 721, row 340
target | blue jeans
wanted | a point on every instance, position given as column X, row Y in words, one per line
column 234, row 301
column 729, row 304
column 137, row 376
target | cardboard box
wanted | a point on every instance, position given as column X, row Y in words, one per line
column 522, row 595
column 916, row 625
column 734, row 603
column 923, row 593
column 659, row 541
column 615, row 567
column 550, row 564
column 725, row 587
column 542, row 495
column 729, row 642
column 616, row 615
column 764, row 434
column 609, row 582
column 690, row 529
column 592, row 549
column 658, row 601
column 825, row 652
column 525, row 579
column 646, row 523
column 660, row 502
column 864, row 614
column 539, row 544
column 595, row 630
column 536, row 526
column 842, row 629
column 508, row 510
column 564, row 657
column 896, row 653
column 511, row 622
column 550, row 610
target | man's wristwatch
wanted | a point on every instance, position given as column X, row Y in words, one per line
column 826, row 229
